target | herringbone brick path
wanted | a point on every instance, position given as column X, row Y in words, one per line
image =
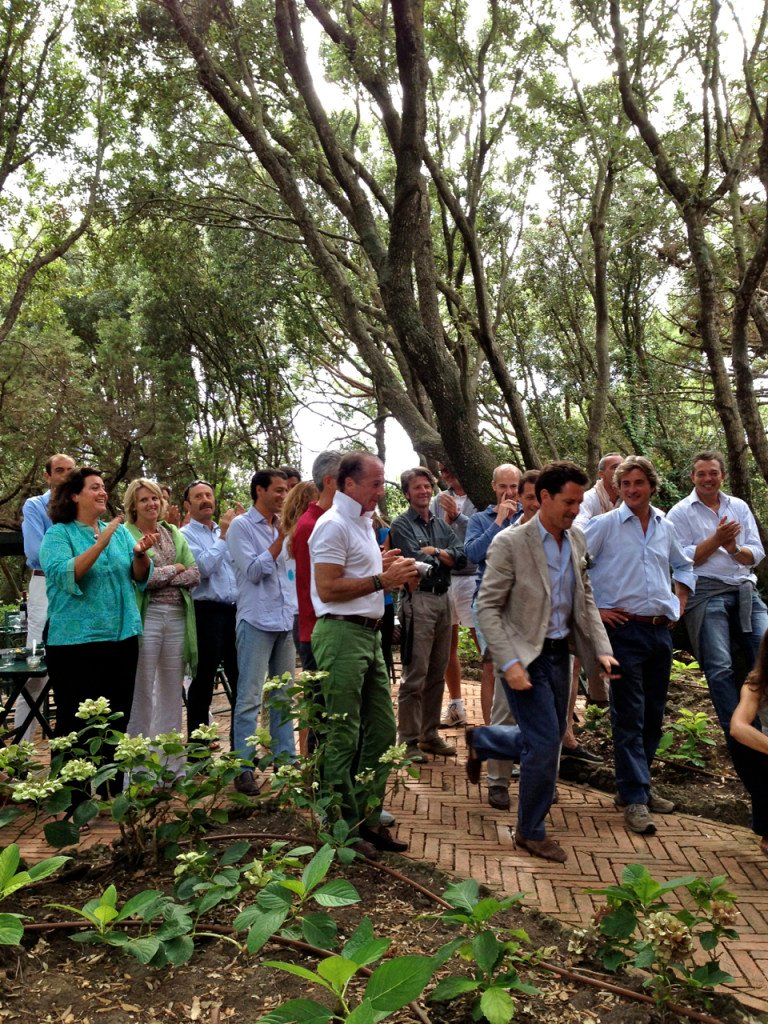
column 448, row 822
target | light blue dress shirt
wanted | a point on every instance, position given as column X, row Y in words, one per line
column 263, row 591
column 631, row 569
column 694, row 522
column 217, row 573
column 562, row 582
column 35, row 523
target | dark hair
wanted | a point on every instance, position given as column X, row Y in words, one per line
column 352, row 466
column 555, row 475
column 530, row 476
column 194, row 483
column 49, row 463
column 412, row 474
column 640, row 462
column 708, row 455
column 62, row 508
column 757, row 680
column 263, row 478
column 290, row 471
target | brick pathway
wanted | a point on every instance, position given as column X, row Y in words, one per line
column 448, row 822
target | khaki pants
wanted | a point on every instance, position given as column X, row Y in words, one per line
column 421, row 689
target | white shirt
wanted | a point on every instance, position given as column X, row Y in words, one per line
column 345, row 536
column 694, row 522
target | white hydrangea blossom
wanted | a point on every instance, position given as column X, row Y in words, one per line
column 63, row 742
column 394, row 754
column 77, row 770
column 131, row 748
column 36, row 790
column 206, row 733
column 93, row 708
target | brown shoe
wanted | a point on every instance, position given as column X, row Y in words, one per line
column 474, row 764
column 437, row 746
column 548, row 849
column 498, row 797
column 382, row 839
column 365, row 849
column 247, row 784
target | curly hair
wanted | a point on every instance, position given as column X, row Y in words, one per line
column 62, row 507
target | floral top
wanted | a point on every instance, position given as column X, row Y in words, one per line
column 101, row 605
column 164, row 585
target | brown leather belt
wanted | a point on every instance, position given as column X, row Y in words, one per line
column 38, row 572
column 358, row 620
column 649, row 620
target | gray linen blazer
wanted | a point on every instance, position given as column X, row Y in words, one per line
column 514, row 601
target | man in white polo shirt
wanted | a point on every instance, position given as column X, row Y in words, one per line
column 349, row 577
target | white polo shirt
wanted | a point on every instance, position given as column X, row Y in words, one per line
column 345, row 536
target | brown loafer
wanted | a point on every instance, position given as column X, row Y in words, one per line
column 474, row 764
column 548, row 849
column 438, row 747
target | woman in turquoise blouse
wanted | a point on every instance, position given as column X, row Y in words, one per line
column 93, row 622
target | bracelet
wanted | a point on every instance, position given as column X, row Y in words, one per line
column 377, row 584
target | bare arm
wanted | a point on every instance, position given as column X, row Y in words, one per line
column 742, row 728
column 332, row 586
column 87, row 559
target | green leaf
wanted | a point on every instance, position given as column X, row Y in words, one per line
column 364, row 1013
column 138, row 905
column 298, row 1011
column 444, row 954
column 613, row 959
column 319, row 930
column 9, row 861
column 338, row 893
column 619, row 924
column 235, row 852
column 46, row 868
column 61, row 833
column 85, row 812
column 710, row 974
column 144, row 948
column 398, row 982
column 300, row 972
column 179, row 950
column 274, row 897
column 58, row 802
column 264, row 927
column 497, row 1006
column 109, row 896
column 8, row 815
column 486, row 949
column 338, row 970
column 462, row 895
column 317, row 868
column 450, row 988
column 362, row 947
column 11, row 929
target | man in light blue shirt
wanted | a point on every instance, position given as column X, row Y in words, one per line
column 720, row 534
column 35, row 523
column 215, row 599
column 632, row 552
column 264, row 617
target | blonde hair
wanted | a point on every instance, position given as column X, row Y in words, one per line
column 129, row 501
column 296, row 503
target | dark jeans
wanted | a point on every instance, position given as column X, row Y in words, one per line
column 215, row 644
column 638, row 699
column 541, row 714
column 752, row 768
column 86, row 671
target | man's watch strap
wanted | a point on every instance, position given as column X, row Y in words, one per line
column 377, row 584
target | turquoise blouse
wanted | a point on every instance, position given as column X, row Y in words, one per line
column 99, row 607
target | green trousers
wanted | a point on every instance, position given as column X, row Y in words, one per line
column 360, row 722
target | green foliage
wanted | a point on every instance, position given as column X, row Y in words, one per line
column 687, row 738
column 11, row 880
column 495, row 954
column 391, row 986
column 597, row 719
column 637, row 928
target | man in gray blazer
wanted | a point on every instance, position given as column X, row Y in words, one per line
column 535, row 603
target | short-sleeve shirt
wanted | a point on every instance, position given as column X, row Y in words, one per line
column 345, row 536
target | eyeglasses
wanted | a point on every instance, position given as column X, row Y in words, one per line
column 195, row 483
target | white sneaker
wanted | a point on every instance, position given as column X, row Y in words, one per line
column 386, row 819
column 453, row 718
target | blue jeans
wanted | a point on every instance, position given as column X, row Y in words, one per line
column 541, row 713
column 638, row 699
column 719, row 630
column 261, row 652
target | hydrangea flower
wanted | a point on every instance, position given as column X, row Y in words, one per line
column 63, row 742
column 93, row 708
column 77, row 770
column 36, row 790
column 261, row 738
column 206, row 733
column 131, row 748
column 394, row 754
column 191, row 861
